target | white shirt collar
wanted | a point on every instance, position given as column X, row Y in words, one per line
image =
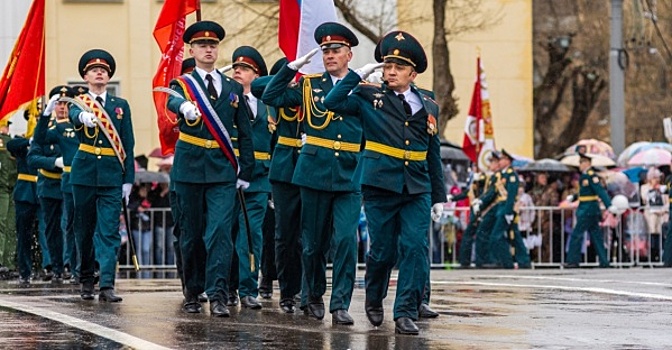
column 334, row 79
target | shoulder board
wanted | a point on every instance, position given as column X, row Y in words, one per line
column 427, row 98
column 365, row 83
column 311, row 76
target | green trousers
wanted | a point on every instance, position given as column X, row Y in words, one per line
column 256, row 204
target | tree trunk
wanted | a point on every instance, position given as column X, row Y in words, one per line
column 443, row 83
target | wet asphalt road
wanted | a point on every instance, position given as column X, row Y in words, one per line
column 494, row 309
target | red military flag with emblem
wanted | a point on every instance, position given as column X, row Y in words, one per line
column 23, row 78
column 168, row 35
column 479, row 136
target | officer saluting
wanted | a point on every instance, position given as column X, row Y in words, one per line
column 325, row 171
column 402, row 176
column 205, row 169
column 588, row 214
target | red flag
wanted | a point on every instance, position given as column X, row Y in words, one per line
column 168, row 35
column 288, row 27
column 473, row 127
column 26, row 64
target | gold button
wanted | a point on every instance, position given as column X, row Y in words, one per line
column 338, row 136
column 406, row 163
column 99, row 157
column 405, row 123
column 337, row 145
column 336, row 154
column 298, row 143
column 299, row 151
column 97, row 151
column 208, row 143
column 100, row 142
column 407, row 154
column 408, row 142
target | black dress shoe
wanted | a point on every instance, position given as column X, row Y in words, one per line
column 404, row 325
column 287, row 306
column 24, row 282
column 342, row 317
column 218, row 309
column 87, row 291
column 426, row 312
column 250, row 302
column 375, row 314
column 316, row 307
column 202, row 298
column 58, row 279
column 571, row 265
column 191, row 305
column 108, row 296
column 266, row 288
column 233, row 299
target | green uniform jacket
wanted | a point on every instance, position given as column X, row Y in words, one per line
column 511, row 178
column 24, row 191
column 386, row 123
column 491, row 194
column 63, row 134
column 262, row 139
column 590, row 186
column 104, row 171
column 195, row 164
column 477, row 187
column 7, row 166
column 43, row 158
column 319, row 168
column 287, row 125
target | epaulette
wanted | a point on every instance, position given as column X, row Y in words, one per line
column 590, row 172
column 365, row 83
column 427, row 98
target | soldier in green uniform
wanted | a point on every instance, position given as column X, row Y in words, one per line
column 402, row 175
column 588, row 215
column 7, row 221
column 667, row 248
column 27, row 206
column 62, row 133
column 505, row 219
column 248, row 65
column 288, row 129
column 325, row 171
column 102, row 174
column 205, row 170
column 483, row 208
column 476, row 189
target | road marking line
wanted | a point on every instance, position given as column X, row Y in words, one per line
column 570, row 279
column 90, row 327
column 566, row 288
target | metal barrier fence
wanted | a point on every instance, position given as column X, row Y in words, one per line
column 627, row 240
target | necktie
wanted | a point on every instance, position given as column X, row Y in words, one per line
column 337, row 81
column 249, row 109
column 211, row 87
column 407, row 107
column 100, row 100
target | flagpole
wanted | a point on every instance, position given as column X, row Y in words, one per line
column 198, row 11
column 478, row 120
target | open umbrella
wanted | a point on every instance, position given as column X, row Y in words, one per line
column 145, row 176
column 653, row 156
column 593, row 146
column 546, row 165
column 597, row 160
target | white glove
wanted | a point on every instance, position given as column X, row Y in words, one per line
column 614, row 210
column 509, row 219
column 375, row 77
column 449, row 198
column 51, row 105
column 303, row 60
column 303, row 139
column 437, row 211
column 368, row 69
column 271, row 204
column 242, row 184
column 189, row 111
column 662, row 188
column 226, row 69
column 476, row 208
column 88, row 119
column 59, row 162
column 570, row 198
column 126, row 191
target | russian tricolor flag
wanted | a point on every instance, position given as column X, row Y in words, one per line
column 298, row 20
